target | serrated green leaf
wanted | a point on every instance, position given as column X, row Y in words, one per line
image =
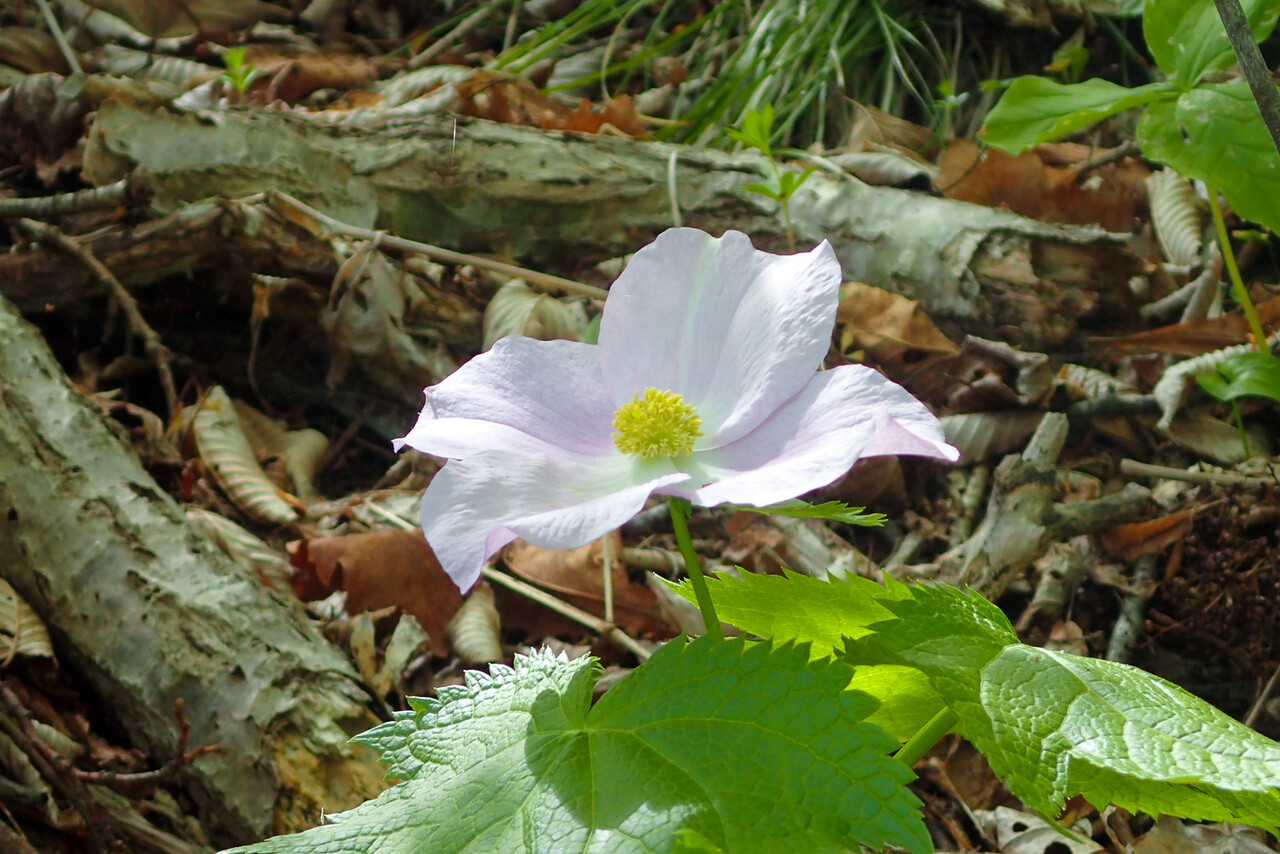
column 1187, row 40
column 749, row 746
column 1244, row 375
column 1055, row 725
column 795, row 608
column 1216, row 134
column 837, row 511
column 1036, row 109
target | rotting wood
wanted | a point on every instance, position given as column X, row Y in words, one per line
column 471, row 184
column 149, row 612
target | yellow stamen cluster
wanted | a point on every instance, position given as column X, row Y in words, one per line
column 656, row 424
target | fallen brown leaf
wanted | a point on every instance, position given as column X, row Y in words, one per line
column 377, row 570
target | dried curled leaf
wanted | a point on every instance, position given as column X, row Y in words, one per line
column 226, row 451
column 473, row 631
column 516, row 309
column 1177, row 214
column 21, row 630
column 299, row 451
column 243, row 547
column 1171, row 389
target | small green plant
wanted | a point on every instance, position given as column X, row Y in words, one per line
column 756, row 131
column 239, row 74
column 1200, row 126
column 802, row 741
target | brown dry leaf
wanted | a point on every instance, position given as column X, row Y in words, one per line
column 1036, row 184
column 874, row 127
column 1143, row 538
column 163, row 19
column 368, row 323
column 377, row 570
column 31, row 50
column 755, row 544
column 226, row 452
column 1195, row 337
column 887, row 325
column 21, row 630
column 475, row 630
column 576, row 574
column 514, row 100
column 291, row 78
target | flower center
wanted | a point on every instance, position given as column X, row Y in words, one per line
column 656, row 424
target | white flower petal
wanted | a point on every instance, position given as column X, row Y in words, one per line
column 735, row 331
column 841, row 416
column 522, row 389
column 474, row 507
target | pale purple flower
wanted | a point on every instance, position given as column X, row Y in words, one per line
column 705, row 385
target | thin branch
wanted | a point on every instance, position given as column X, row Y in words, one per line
column 1251, row 65
column 49, row 207
column 50, row 236
column 277, row 198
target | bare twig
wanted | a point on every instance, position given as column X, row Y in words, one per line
column 67, row 53
column 50, row 236
column 542, row 597
column 1252, row 65
column 1255, row 711
column 15, row 721
column 278, row 198
column 1133, row 467
column 97, row 198
column 1115, row 155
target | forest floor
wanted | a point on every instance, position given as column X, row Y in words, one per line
column 251, row 276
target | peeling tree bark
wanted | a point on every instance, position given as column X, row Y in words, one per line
column 471, row 184
column 149, row 613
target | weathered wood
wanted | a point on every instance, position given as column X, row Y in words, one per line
column 148, row 612
column 560, row 198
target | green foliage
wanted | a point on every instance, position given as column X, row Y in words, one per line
column 794, row 608
column 1250, row 374
column 756, row 131
column 1201, row 128
column 1055, row 725
column 745, row 747
column 837, row 511
column 238, row 73
column 807, row 57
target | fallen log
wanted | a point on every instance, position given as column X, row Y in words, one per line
column 148, row 612
column 567, row 198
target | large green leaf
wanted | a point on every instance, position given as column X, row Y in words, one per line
column 1250, row 374
column 794, row 608
column 1187, row 39
column 1036, row 109
column 1055, row 725
column 745, row 746
column 1216, row 134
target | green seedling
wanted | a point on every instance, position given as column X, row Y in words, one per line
column 239, row 74
column 756, row 131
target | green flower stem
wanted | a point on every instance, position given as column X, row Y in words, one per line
column 1238, row 289
column 680, row 522
column 918, row 745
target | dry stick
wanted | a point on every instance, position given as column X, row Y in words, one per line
column 15, row 721
column 138, row 325
column 67, row 53
column 591, row 621
column 48, row 207
column 1252, row 66
column 1138, row 469
column 1255, row 711
column 543, row 280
